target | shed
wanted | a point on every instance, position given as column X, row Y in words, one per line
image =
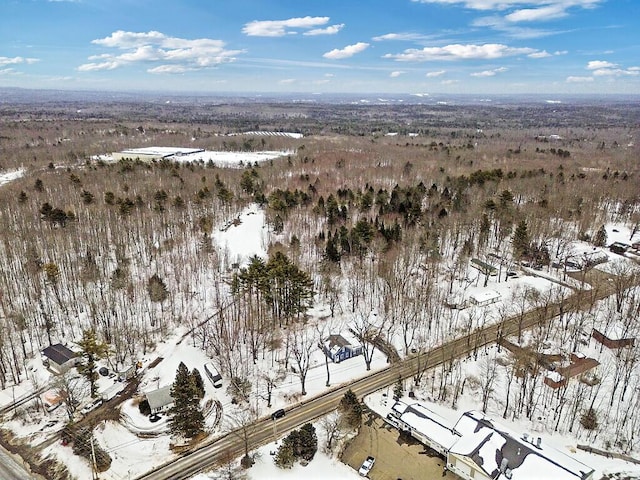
column 484, row 267
column 483, row 298
column 619, row 248
column 160, row 399
column 59, row 358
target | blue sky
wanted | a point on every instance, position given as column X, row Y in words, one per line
column 352, row 46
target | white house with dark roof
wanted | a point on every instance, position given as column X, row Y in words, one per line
column 424, row 425
column 59, row 358
column 487, row 450
column 160, row 399
column 476, row 447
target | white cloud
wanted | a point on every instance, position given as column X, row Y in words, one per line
column 599, row 64
column 542, row 54
column 173, row 69
column 280, row 28
column 17, row 60
column 330, row 30
column 403, row 36
column 579, row 79
column 548, row 12
column 175, row 55
column 603, row 68
column 396, row 74
column 287, row 81
column 460, row 52
column 489, row 73
column 435, row 74
column 616, row 72
column 346, row 52
column 510, row 4
column 448, row 82
column 123, row 40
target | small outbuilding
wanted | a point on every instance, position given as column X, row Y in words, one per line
column 484, row 298
column 619, row 248
column 59, row 358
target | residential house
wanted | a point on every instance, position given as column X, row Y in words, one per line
column 486, row 450
column 424, row 425
column 338, row 348
column 578, row 365
column 160, row 399
column 476, row 447
column 59, row 358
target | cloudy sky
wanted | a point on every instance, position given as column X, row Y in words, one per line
column 368, row 46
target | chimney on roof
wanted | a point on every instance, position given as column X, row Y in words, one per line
column 539, row 442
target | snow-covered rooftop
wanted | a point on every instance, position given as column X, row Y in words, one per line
column 488, row 443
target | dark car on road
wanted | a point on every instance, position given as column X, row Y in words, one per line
column 277, row 414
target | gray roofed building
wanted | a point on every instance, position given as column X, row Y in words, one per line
column 160, row 399
column 59, row 358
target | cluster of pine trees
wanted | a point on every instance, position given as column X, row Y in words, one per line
column 299, row 445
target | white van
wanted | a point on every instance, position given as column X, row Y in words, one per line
column 213, row 374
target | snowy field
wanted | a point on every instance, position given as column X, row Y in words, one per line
column 237, row 240
column 220, row 158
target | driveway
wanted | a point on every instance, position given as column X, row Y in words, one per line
column 397, row 456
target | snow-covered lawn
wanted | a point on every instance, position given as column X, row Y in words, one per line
column 11, row 175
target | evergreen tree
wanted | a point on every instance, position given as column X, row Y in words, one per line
column 600, row 240
column 157, row 289
column 307, row 442
column 187, row 419
column 284, row 456
column 521, row 243
column 351, row 409
column 92, row 350
column 199, row 382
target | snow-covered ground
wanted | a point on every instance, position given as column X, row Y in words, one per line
column 11, row 175
column 237, row 240
column 220, row 158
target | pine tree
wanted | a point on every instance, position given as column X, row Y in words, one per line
column 600, row 240
column 157, row 289
column 187, row 419
column 521, row 243
column 199, row 382
column 307, row 442
column 351, row 409
column 92, row 350
column 284, row 456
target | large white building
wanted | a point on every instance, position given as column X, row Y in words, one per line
column 477, row 447
column 155, row 153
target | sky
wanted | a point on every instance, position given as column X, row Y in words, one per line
column 323, row 46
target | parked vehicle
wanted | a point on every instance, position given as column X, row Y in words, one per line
column 366, row 467
column 213, row 374
column 90, row 407
column 277, row 414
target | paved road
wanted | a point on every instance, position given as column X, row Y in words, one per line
column 10, row 469
column 264, row 430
